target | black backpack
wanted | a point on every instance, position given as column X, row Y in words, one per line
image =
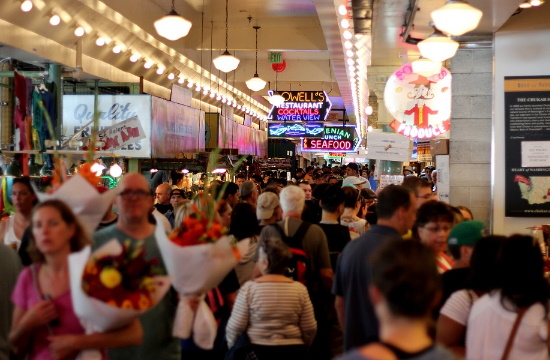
column 298, row 266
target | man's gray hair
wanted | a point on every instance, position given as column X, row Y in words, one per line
column 292, row 199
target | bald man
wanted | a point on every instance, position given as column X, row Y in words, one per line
column 135, row 204
column 162, row 195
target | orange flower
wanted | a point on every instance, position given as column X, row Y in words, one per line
column 126, row 304
column 144, row 302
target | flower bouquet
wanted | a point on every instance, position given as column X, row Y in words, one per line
column 112, row 286
column 198, row 256
column 81, row 194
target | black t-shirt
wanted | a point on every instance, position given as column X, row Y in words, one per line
column 164, row 208
column 337, row 237
column 312, row 212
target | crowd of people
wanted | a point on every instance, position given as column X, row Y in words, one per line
column 335, row 268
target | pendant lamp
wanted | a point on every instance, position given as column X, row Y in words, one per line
column 437, row 46
column 256, row 83
column 456, row 17
column 226, row 62
column 426, row 67
column 173, row 26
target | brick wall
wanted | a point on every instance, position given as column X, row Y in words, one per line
column 471, row 131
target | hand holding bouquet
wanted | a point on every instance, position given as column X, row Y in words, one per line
column 113, row 286
column 198, row 256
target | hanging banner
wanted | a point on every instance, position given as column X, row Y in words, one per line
column 420, row 105
column 122, row 134
column 527, row 153
column 301, row 106
column 335, row 139
column 295, row 130
column 176, row 129
column 78, row 111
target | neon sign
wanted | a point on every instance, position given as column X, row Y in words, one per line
column 420, row 105
column 340, row 139
column 294, row 130
column 301, row 106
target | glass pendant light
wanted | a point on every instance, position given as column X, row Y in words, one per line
column 172, row 26
column 426, row 67
column 226, row 62
column 437, row 46
column 456, row 17
column 256, row 83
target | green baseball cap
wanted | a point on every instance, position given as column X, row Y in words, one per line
column 466, row 233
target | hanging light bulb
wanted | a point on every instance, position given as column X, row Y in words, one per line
column 525, row 5
column 426, row 67
column 219, row 97
column 368, row 110
column 189, row 84
column 226, row 62
column 456, row 17
column 171, row 76
column 173, row 26
column 344, row 24
column 342, row 10
column 115, row 170
column 134, row 58
column 100, row 41
column 347, row 34
column 79, row 31
column 117, row 49
column 148, row 64
column 348, row 44
column 181, row 80
column 437, row 46
column 255, row 83
column 537, row 2
column 55, row 20
column 26, row 6
column 98, row 168
column 160, row 70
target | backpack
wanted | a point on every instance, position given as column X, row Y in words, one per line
column 298, row 266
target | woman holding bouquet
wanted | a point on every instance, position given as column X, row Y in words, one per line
column 44, row 323
column 273, row 310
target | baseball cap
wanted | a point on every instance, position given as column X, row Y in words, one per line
column 466, row 233
column 179, row 192
column 353, row 180
column 246, row 188
column 266, row 204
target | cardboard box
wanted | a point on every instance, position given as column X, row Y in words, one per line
column 439, row 146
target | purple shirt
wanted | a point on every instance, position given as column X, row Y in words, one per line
column 25, row 296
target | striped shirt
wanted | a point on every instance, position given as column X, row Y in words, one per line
column 273, row 314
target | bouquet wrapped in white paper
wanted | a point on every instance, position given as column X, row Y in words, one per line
column 195, row 268
column 112, row 286
column 83, row 198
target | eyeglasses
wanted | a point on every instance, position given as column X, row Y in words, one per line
column 140, row 194
column 436, row 229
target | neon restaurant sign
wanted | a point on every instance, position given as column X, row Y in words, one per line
column 295, row 130
column 420, row 105
column 301, row 106
column 341, row 139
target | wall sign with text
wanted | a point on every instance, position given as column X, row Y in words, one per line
column 295, row 130
column 527, row 153
column 339, row 139
column 78, row 111
column 420, row 105
column 301, row 106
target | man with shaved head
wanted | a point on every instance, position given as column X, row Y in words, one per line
column 135, row 205
column 162, row 194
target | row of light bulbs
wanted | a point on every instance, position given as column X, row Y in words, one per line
column 352, row 48
column 55, row 20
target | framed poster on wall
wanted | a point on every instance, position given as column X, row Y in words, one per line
column 527, row 154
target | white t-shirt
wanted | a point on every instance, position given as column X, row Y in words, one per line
column 458, row 306
column 489, row 327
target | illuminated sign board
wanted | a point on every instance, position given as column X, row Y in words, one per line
column 295, row 130
column 301, row 106
column 420, row 105
column 340, row 139
column 336, row 155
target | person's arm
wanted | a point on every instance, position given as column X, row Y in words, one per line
column 25, row 322
column 323, row 258
column 238, row 322
column 339, row 306
column 327, row 276
column 65, row 345
column 308, row 325
column 451, row 334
